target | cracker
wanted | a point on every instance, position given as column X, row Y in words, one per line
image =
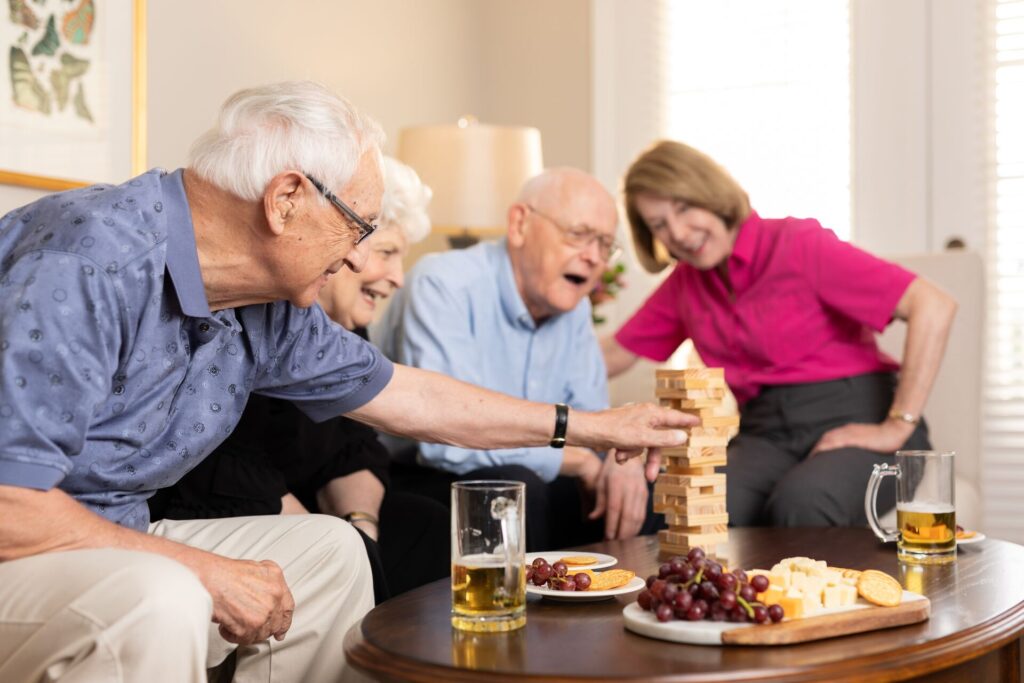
column 579, row 560
column 848, row 573
column 879, row 588
column 613, row 578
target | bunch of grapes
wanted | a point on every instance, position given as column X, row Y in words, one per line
column 556, row 576
column 694, row 587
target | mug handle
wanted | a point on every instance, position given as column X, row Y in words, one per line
column 871, row 501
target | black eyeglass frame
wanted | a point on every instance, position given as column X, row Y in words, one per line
column 365, row 228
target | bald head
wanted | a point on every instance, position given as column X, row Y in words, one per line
column 559, row 234
column 567, row 187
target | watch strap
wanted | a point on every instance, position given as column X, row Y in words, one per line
column 561, row 424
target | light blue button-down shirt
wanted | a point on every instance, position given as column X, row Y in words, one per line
column 461, row 314
column 115, row 377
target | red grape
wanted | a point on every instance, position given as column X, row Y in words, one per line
column 760, row 614
column 695, row 553
column 644, row 599
column 582, row 581
column 776, row 613
column 727, row 582
column 560, row 568
column 664, row 613
column 682, row 601
column 759, row 583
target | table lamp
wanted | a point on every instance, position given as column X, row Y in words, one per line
column 475, row 171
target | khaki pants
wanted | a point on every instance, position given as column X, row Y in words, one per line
column 118, row 615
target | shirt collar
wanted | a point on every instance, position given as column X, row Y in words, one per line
column 511, row 301
column 746, row 239
column 182, row 257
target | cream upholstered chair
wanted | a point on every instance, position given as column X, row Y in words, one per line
column 953, row 411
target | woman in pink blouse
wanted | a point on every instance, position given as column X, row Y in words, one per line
column 789, row 311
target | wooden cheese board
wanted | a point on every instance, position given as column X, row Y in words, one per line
column 841, row 621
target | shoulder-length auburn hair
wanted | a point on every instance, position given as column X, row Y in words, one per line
column 676, row 171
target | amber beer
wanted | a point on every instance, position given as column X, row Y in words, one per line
column 488, row 555
column 484, row 587
column 926, row 528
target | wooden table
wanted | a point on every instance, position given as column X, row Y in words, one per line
column 974, row 633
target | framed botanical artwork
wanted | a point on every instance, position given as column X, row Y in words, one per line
column 73, row 92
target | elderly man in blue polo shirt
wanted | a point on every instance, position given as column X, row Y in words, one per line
column 513, row 316
column 134, row 322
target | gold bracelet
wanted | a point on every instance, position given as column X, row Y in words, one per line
column 900, row 416
column 353, row 517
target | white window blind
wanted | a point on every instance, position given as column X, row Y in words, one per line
column 763, row 86
column 1004, row 388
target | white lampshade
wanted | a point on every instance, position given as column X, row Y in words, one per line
column 474, row 169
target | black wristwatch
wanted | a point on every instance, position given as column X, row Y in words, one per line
column 561, row 424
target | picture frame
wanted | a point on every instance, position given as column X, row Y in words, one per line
column 73, row 95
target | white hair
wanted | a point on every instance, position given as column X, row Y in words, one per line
column 294, row 125
column 405, row 200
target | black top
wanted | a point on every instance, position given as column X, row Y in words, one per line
column 274, row 449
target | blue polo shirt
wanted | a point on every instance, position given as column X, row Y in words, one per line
column 115, row 377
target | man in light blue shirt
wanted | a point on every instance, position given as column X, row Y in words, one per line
column 514, row 316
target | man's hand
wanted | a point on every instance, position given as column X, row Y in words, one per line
column 621, row 498
column 251, row 600
column 884, row 437
column 583, row 464
column 629, row 430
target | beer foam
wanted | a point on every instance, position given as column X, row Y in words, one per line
column 917, row 506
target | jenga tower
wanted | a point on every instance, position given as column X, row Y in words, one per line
column 689, row 492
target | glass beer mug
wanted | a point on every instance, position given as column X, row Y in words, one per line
column 488, row 555
column 925, row 506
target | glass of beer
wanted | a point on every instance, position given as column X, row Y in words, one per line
column 925, row 506
column 488, row 555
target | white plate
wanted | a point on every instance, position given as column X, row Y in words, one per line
column 704, row 632
column 553, row 556
column 977, row 537
column 635, row 584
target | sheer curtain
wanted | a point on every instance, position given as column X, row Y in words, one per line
column 1004, row 387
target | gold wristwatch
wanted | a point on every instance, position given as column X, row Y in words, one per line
column 900, row 416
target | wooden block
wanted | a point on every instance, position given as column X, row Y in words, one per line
column 667, row 550
column 691, row 481
column 689, row 403
column 674, row 519
column 683, row 466
column 700, row 441
column 712, row 393
column 691, row 373
column 694, row 492
column 689, row 506
column 707, row 430
column 720, row 421
column 692, row 539
column 685, row 383
column 696, row 453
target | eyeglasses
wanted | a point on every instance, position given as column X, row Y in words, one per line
column 365, row 229
column 582, row 237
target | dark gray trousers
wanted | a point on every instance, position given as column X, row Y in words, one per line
column 771, row 481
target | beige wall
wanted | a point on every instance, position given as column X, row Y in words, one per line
column 403, row 61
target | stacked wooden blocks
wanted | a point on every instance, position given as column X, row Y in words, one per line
column 689, row 492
